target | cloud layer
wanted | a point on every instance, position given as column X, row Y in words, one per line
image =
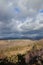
column 21, row 18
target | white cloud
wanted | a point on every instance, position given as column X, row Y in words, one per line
column 31, row 24
column 28, row 24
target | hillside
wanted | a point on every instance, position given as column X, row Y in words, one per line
column 19, row 46
column 10, row 43
column 7, row 43
column 12, row 50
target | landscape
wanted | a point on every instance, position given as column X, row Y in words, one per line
column 21, row 52
column 21, row 32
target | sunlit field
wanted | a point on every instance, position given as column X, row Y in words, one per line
column 21, row 52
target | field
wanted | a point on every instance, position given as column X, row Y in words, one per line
column 10, row 49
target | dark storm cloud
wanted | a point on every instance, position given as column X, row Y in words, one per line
column 21, row 18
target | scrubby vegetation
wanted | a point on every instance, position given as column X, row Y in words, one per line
column 31, row 55
column 31, row 58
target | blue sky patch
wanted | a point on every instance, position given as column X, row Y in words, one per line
column 17, row 10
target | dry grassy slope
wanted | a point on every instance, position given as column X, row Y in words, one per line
column 11, row 43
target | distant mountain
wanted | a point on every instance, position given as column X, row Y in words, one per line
column 31, row 38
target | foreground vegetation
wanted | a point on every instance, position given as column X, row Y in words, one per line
column 22, row 55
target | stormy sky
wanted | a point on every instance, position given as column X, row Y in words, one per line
column 21, row 19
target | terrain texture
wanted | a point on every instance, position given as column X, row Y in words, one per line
column 15, row 51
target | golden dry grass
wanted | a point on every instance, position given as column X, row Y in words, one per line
column 13, row 47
